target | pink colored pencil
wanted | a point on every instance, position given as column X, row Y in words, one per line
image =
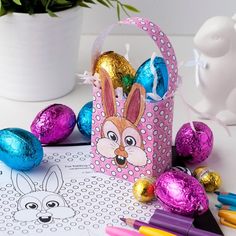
column 117, row 231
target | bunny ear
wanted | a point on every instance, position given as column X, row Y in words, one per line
column 53, row 180
column 22, row 182
column 135, row 104
column 108, row 94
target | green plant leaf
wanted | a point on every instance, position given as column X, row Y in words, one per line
column 103, row 3
column 53, row 6
column 48, row 2
column 17, row 2
column 124, row 10
column 109, row 3
column 44, row 2
column 51, row 13
column 82, row 4
column 118, row 10
column 2, row 10
column 89, row 1
column 63, row 2
column 131, row 8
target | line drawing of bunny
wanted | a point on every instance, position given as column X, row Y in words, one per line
column 42, row 205
column 120, row 137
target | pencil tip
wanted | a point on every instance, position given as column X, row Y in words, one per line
column 123, row 219
column 217, row 192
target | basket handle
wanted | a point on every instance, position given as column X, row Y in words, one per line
column 158, row 36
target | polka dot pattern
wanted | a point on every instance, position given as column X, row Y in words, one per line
column 155, row 125
column 155, row 128
column 97, row 200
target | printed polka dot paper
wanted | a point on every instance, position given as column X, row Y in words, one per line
column 95, row 200
column 154, row 129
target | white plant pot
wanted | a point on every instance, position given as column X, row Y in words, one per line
column 39, row 54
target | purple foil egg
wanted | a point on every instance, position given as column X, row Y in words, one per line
column 194, row 146
column 53, row 124
column 181, row 193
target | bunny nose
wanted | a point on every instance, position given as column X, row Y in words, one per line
column 121, row 156
column 44, row 217
column 44, row 213
column 121, row 152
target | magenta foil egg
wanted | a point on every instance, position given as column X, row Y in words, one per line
column 53, row 124
column 194, row 146
column 181, row 193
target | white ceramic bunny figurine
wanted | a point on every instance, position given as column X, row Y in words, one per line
column 216, row 42
column 42, row 205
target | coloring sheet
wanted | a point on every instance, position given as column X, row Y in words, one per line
column 63, row 196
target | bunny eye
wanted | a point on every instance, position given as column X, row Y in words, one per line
column 52, row 204
column 130, row 141
column 31, row 205
column 111, row 135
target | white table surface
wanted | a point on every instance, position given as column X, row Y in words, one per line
column 223, row 157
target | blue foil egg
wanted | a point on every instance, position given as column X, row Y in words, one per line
column 145, row 77
column 84, row 119
column 19, row 149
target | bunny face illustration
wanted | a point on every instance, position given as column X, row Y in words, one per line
column 120, row 137
column 44, row 205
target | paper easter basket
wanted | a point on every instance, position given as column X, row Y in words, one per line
column 151, row 128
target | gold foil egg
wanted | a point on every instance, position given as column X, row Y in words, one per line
column 209, row 179
column 116, row 66
column 143, row 189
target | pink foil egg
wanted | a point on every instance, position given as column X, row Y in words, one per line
column 194, row 146
column 53, row 124
column 181, row 193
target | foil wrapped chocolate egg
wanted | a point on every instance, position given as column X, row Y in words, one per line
column 181, row 193
column 145, row 77
column 210, row 180
column 19, row 149
column 116, row 66
column 53, row 124
column 84, row 119
column 143, row 189
column 127, row 83
column 194, row 146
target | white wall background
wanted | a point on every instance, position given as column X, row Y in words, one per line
column 176, row 17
